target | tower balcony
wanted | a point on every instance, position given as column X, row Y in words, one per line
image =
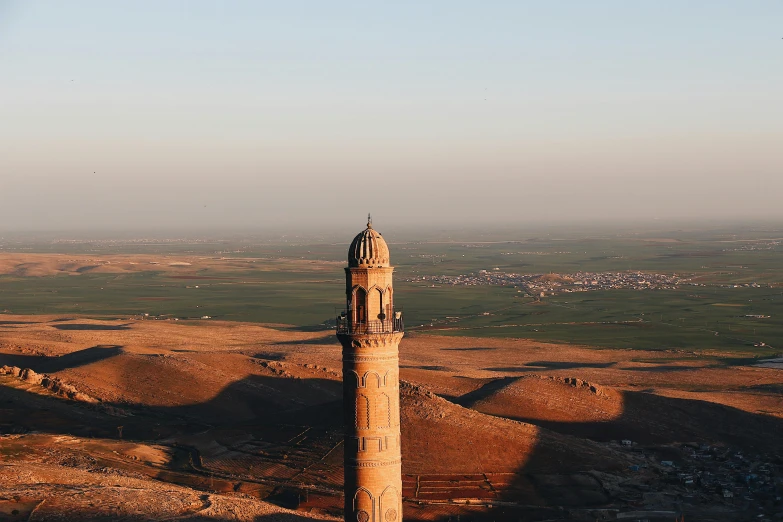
column 379, row 326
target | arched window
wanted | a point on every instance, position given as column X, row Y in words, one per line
column 362, row 412
column 383, row 415
column 360, row 306
column 389, row 505
column 389, row 304
column 372, row 380
column 352, row 379
column 363, row 506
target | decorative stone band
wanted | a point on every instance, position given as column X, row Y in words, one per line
column 355, row 358
column 369, row 341
column 372, row 463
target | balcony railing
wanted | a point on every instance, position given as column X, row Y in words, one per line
column 346, row 326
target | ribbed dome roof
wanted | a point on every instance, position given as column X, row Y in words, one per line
column 368, row 249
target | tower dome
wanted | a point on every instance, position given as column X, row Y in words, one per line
column 368, row 249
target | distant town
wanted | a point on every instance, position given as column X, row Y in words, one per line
column 703, row 474
column 541, row 285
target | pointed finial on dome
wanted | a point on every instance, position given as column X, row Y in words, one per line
column 368, row 249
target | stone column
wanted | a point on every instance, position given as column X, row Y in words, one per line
column 371, row 388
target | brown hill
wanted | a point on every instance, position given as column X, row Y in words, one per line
column 580, row 408
column 251, row 412
column 553, row 277
column 442, row 437
column 549, row 399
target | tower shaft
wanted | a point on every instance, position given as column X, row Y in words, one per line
column 373, row 469
column 370, row 332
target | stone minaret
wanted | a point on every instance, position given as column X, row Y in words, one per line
column 370, row 332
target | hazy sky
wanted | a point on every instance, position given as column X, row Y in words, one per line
column 260, row 114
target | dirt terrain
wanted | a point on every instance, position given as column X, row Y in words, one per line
column 40, row 265
column 209, row 420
